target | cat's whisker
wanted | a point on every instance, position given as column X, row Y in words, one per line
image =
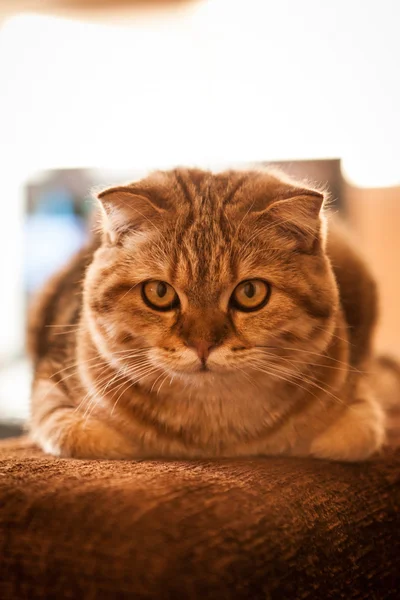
column 333, row 335
column 154, row 382
column 123, row 374
column 162, row 383
column 272, row 373
column 101, row 361
column 321, row 355
column 304, row 378
column 70, row 375
column 64, row 326
column 88, row 368
column 135, row 382
column 246, row 376
column 88, row 399
column 309, row 364
column 132, row 375
column 288, row 381
column 69, row 332
column 116, row 401
column 296, row 370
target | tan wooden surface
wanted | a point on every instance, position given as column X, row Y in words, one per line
column 375, row 218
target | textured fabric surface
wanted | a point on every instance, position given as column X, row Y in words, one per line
column 251, row 528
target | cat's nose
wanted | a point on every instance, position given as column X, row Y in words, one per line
column 203, row 348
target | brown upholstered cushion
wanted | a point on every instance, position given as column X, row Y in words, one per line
column 251, row 528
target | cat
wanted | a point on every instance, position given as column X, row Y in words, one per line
column 213, row 315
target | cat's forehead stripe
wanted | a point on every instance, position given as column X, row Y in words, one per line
column 204, row 191
column 206, row 255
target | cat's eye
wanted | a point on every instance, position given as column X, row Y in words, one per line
column 250, row 295
column 159, row 295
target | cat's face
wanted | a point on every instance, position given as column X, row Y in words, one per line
column 203, row 275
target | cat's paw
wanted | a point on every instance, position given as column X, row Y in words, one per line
column 357, row 435
column 67, row 434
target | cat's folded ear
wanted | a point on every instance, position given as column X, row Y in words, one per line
column 298, row 217
column 126, row 208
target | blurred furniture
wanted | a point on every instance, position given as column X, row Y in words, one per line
column 257, row 528
column 8, row 430
column 374, row 219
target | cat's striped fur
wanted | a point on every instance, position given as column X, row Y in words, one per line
column 116, row 379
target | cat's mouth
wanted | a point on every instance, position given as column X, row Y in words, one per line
column 201, row 370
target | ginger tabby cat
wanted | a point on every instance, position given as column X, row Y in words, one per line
column 216, row 315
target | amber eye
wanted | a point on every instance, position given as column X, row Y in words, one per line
column 250, row 295
column 159, row 295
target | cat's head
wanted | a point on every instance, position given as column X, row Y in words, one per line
column 201, row 274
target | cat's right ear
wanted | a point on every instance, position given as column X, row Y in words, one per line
column 125, row 209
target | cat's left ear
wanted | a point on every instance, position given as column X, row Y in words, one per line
column 126, row 208
column 299, row 218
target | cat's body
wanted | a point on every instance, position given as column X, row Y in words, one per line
column 117, row 376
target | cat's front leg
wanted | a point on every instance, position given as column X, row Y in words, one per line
column 65, row 431
column 356, row 435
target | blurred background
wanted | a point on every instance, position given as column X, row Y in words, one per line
column 95, row 92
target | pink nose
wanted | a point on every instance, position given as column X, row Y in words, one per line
column 202, row 348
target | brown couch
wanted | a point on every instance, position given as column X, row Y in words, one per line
column 259, row 528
